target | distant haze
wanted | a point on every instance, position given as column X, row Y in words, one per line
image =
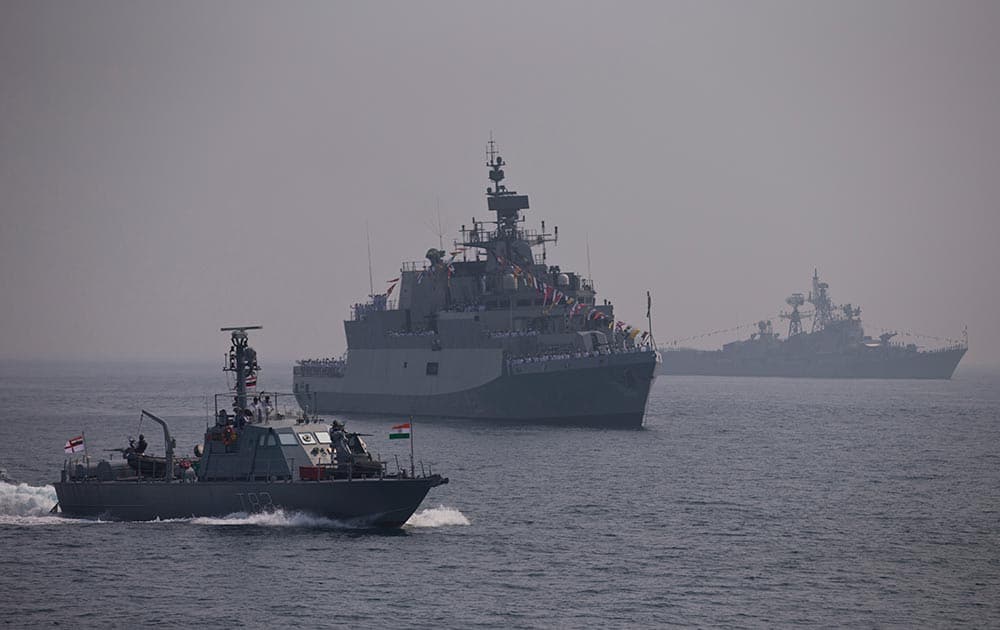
column 168, row 168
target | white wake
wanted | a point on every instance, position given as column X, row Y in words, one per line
column 21, row 504
column 277, row 518
column 440, row 516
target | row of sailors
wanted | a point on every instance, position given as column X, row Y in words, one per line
column 494, row 333
column 466, row 308
column 541, row 358
column 331, row 369
column 327, row 361
column 514, row 333
column 260, row 411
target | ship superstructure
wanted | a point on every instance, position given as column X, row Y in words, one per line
column 835, row 346
column 490, row 330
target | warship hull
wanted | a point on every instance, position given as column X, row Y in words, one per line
column 874, row 363
column 378, row 502
column 609, row 391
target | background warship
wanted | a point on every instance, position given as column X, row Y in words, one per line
column 489, row 331
column 836, row 347
column 253, row 460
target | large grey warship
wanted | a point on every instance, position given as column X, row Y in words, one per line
column 253, row 460
column 835, row 347
column 491, row 331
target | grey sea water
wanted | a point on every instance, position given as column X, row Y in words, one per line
column 743, row 503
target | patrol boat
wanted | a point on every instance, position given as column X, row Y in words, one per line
column 252, row 461
column 489, row 331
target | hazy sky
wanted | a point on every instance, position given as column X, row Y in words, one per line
column 168, row 168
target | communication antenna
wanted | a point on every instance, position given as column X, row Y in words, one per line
column 371, row 280
column 491, row 149
column 589, row 277
column 433, row 228
column 440, row 231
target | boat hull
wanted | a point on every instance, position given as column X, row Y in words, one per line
column 938, row 364
column 380, row 502
column 609, row 391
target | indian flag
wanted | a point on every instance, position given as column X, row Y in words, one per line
column 400, row 432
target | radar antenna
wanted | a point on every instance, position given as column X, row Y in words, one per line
column 794, row 318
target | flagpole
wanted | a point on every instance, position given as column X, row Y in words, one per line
column 412, row 469
column 649, row 318
column 371, row 279
column 86, row 455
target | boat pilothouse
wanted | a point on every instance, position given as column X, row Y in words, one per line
column 464, row 323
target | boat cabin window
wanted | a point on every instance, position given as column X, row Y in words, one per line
column 272, row 440
column 432, row 368
column 323, row 437
column 288, row 439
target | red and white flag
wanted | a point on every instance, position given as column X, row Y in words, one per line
column 74, row 445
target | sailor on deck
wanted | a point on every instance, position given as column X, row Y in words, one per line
column 268, row 409
column 338, row 438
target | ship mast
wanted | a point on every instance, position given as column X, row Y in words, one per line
column 242, row 360
column 507, row 205
column 821, row 302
